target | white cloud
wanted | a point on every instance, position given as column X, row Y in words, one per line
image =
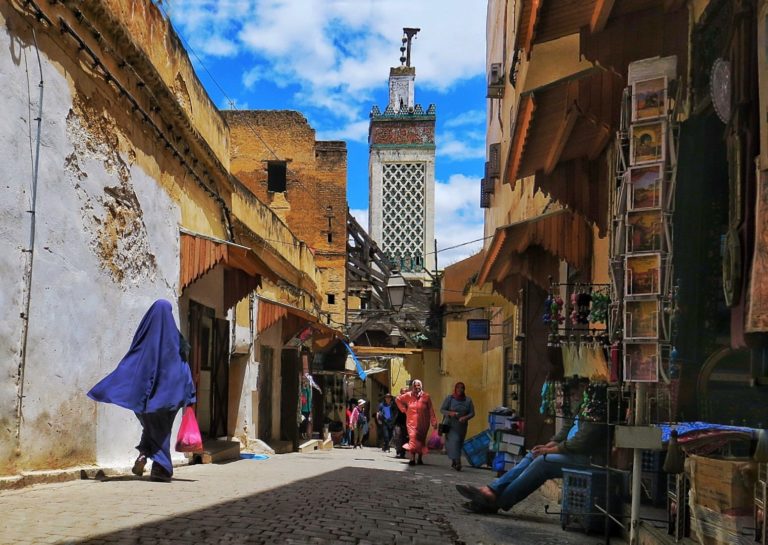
column 361, row 215
column 338, row 47
column 467, row 145
column 458, row 218
column 470, row 117
column 357, row 131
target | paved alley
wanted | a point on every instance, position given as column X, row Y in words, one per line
column 341, row 496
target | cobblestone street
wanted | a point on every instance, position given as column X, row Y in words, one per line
column 342, row 496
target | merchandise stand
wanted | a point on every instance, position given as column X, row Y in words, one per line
column 644, row 294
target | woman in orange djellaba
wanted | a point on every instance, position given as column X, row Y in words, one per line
column 419, row 415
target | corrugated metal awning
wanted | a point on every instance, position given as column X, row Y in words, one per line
column 201, row 253
column 533, row 248
column 270, row 312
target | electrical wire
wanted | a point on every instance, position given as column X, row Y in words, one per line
column 253, row 129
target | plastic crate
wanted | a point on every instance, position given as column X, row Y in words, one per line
column 653, row 478
column 582, row 490
column 476, row 449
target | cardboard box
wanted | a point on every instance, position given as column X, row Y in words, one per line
column 722, row 485
column 501, row 422
column 505, row 441
column 713, row 528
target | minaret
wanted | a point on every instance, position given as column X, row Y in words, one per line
column 401, row 172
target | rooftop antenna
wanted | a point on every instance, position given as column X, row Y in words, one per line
column 405, row 49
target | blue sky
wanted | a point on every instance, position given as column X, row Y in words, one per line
column 330, row 60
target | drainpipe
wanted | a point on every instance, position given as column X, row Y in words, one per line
column 30, row 251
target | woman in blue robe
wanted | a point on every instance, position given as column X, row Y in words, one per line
column 154, row 382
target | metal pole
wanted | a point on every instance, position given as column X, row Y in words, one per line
column 637, row 463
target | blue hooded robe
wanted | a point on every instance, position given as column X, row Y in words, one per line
column 151, row 380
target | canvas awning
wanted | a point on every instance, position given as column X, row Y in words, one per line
column 534, row 247
column 200, row 253
column 568, row 119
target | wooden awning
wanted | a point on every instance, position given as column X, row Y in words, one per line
column 533, row 248
column 545, row 20
column 201, row 253
column 568, row 119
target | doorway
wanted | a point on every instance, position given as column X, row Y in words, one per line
column 209, row 337
column 289, row 399
column 265, row 393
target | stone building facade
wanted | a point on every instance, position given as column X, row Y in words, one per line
column 309, row 195
column 112, row 143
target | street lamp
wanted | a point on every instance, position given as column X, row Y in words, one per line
column 396, row 290
column 395, row 336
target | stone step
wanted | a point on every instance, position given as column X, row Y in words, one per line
column 218, row 450
column 309, row 446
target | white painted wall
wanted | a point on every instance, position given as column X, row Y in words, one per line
column 82, row 317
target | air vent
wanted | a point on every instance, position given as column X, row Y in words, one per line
column 496, row 81
column 494, row 160
column 485, row 197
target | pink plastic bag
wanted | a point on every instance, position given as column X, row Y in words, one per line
column 189, row 438
column 435, row 442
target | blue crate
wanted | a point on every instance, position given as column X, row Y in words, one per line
column 582, row 491
column 653, row 478
column 476, row 449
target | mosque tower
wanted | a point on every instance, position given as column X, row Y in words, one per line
column 401, row 172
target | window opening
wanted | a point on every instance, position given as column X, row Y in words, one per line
column 276, row 174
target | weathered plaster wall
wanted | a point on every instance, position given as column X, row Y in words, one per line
column 106, row 248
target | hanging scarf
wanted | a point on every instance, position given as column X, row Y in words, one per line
column 456, row 395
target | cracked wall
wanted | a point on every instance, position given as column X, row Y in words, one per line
column 109, row 205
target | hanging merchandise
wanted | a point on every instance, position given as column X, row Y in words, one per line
column 547, row 398
column 595, row 404
column 599, row 312
column 583, row 301
column 568, row 363
column 574, row 308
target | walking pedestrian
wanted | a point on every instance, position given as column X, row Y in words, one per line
column 419, row 415
column 359, row 422
column 154, row 381
column 400, row 430
column 348, row 431
column 457, row 409
column 385, row 417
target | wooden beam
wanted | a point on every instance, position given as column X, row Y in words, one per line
column 527, row 41
column 600, row 15
column 516, row 148
column 384, row 351
column 561, row 138
column 673, row 5
column 600, row 142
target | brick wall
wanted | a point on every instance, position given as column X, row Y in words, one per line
column 314, row 204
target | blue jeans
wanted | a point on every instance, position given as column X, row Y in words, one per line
column 529, row 474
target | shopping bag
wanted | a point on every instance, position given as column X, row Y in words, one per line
column 435, row 442
column 189, row 438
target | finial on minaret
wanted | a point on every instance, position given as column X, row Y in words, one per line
column 405, row 49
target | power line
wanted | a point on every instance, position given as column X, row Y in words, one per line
column 234, row 108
